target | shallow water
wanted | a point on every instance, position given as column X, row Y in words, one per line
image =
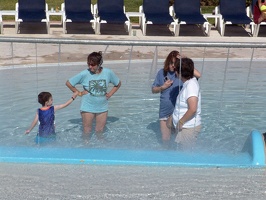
column 233, row 98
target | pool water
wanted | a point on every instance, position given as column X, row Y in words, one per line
column 233, row 100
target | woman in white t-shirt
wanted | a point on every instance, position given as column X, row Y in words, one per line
column 186, row 117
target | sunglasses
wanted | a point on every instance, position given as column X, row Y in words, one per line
column 91, row 64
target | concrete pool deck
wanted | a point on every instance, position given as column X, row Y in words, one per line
column 54, row 181
column 80, row 182
column 71, row 53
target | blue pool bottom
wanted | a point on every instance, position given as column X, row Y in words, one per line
column 252, row 155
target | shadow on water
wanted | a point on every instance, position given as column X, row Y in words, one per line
column 155, row 127
column 112, row 119
column 78, row 121
column 77, row 124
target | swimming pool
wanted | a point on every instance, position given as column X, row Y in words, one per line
column 233, row 98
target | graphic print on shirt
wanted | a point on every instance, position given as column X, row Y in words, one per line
column 97, row 87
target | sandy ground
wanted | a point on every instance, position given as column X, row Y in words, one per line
column 47, row 181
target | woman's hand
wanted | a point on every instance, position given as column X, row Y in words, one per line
column 179, row 126
column 166, row 85
column 108, row 96
column 113, row 90
column 84, row 92
column 169, row 122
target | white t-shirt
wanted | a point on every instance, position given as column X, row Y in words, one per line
column 190, row 89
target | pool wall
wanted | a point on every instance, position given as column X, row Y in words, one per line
column 252, row 155
column 255, row 147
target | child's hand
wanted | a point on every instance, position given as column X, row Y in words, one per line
column 27, row 132
column 75, row 94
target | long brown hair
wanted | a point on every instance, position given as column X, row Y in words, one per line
column 173, row 54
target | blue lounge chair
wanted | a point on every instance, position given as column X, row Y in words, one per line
column 234, row 12
column 189, row 12
column 111, row 12
column 156, row 12
column 31, row 11
column 78, row 11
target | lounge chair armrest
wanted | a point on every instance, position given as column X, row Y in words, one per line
column 172, row 11
column 95, row 10
column 46, row 7
column 217, row 10
column 92, row 10
column 16, row 8
column 64, row 11
column 62, row 6
column 141, row 9
column 248, row 11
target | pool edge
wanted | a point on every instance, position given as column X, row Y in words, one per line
column 252, row 156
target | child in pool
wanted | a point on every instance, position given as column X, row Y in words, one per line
column 45, row 115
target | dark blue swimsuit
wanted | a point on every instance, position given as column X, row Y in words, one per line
column 46, row 119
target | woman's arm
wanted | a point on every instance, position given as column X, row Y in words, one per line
column 197, row 73
column 192, row 109
column 71, row 87
column 259, row 3
column 74, row 89
column 158, row 89
column 113, row 90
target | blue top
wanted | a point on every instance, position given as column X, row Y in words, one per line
column 96, row 85
column 46, row 119
column 168, row 96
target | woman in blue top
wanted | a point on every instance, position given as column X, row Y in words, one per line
column 94, row 103
column 169, row 85
column 45, row 116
